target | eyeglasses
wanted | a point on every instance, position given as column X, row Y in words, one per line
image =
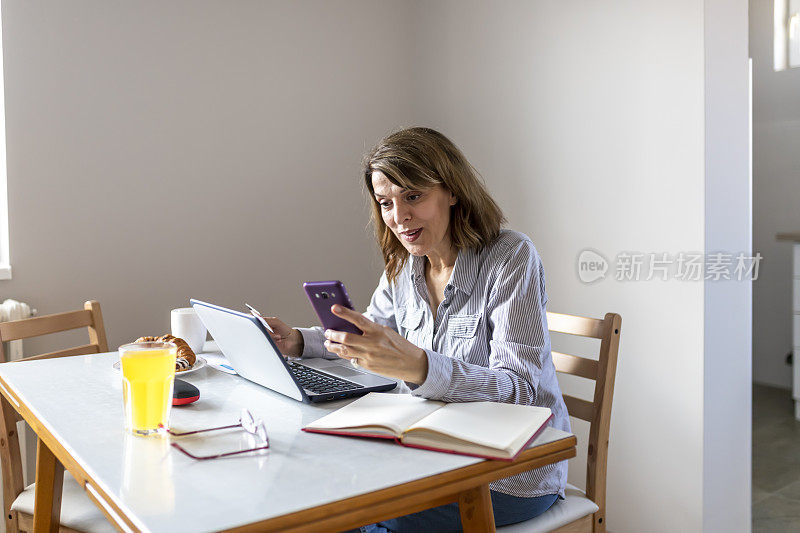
column 247, row 422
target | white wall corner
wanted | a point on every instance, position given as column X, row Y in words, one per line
column 727, row 372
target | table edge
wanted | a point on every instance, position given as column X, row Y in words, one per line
column 443, row 488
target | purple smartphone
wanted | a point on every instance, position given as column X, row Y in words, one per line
column 324, row 294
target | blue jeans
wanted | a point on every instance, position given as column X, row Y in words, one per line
column 507, row 510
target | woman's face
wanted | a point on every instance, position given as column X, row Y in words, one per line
column 420, row 219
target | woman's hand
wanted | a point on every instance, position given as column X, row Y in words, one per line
column 288, row 340
column 380, row 349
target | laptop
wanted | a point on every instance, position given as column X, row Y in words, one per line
column 244, row 340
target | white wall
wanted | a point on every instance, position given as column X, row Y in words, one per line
column 727, row 373
column 225, row 137
column 776, row 189
column 159, row 151
column 587, row 120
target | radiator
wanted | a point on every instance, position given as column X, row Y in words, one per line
column 14, row 310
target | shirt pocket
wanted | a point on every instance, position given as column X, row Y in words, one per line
column 410, row 318
column 463, row 326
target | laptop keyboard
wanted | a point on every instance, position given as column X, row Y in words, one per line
column 318, row 382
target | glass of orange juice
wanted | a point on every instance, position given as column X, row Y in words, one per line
column 148, row 373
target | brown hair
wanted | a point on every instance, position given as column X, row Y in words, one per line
column 421, row 158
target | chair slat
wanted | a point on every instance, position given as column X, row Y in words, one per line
column 97, row 331
column 78, row 350
column 596, row 412
column 574, row 365
column 575, row 325
column 34, row 327
column 579, row 408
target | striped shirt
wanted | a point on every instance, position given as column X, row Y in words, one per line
column 488, row 342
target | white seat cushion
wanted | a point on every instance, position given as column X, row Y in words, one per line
column 576, row 505
column 77, row 510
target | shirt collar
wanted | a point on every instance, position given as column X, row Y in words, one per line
column 465, row 271
column 418, row 271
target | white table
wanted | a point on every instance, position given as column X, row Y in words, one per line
column 304, row 482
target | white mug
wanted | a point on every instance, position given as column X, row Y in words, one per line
column 187, row 325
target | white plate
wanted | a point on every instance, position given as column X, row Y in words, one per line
column 200, row 363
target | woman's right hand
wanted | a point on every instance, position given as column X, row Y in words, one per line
column 288, row 340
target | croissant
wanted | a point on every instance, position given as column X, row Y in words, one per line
column 186, row 357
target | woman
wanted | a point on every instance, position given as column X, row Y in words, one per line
column 459, row 312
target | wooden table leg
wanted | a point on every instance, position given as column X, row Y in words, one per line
column 475, row 506
column 49, row 483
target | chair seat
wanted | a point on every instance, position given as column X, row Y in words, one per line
column 575, row 506
column 77, row 510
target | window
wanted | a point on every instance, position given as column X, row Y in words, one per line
column 5, row 256
column 786, row 34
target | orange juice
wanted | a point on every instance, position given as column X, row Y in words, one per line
column 148, row 371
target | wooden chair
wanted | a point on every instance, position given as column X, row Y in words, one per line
column 584, row 512
column 78, row 512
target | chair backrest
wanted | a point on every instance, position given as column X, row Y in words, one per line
column 89, row 317
column 598, row 411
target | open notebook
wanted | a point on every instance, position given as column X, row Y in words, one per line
column 481, row 429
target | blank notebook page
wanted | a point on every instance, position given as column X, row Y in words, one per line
column 497, row 425
column 396, row 411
